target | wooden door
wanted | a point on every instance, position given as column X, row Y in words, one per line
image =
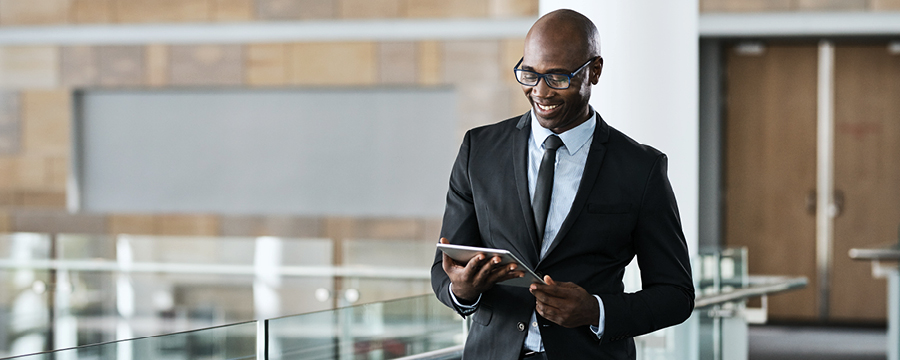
column 867, row 175
column 770, row 162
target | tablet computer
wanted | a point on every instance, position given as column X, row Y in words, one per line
column 463, row 253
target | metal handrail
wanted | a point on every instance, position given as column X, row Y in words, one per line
column 450, row 353
column 759, row 286
column 887, row 252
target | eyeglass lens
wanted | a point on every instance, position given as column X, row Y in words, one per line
column 530, row 78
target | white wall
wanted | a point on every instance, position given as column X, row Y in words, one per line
column 649, row 86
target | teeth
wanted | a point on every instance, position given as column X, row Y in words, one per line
column 550, row 107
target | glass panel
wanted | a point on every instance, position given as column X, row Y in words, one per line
column 410, row 260
column 385, row 330
column 26, row 295
column 721, row 271
column 232, row 342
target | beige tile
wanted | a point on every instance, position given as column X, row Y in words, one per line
column 163, row 11
column 231, row 225
column 92, row 11
column 885, row 5
column 79, row 66
column 295, row 9
column 5, row 223
column 338, row 229
column 425, row 8
column 29, row 67
column 202, row 65
column 746, row 5
column 472, row 62
column 57, row 172
column 7, row 200
column 200, row 225
column 391, row 229
column 430, row 69
column 282, row 226
column 46, row 122
column 369, row 9
column 831, row 5
column 233, row 10
column 297, row 227
column 333, row 63
column 432, row 230
column 9, row 122
column 41, row 199
column 121, row 65
column 30, row 173
column 397, row 63
column 57, row 221
column 267, row 64
column 512, row 8
column 510, row 52
column 444, row 8
column 33, row 12
column 8, row 172
column 131, row 224
column 156, row 59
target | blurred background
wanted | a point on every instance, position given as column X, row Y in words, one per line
column 173, row 164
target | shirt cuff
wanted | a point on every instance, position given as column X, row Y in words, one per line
column 465, row 309
column 601, row 325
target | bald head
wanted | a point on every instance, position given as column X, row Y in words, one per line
column 562, row 42
column 567, row 30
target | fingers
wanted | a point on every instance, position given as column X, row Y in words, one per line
column 548, row 280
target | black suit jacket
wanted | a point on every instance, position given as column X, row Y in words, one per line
column 624, row 208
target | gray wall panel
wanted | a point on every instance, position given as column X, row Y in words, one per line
column 349, row 152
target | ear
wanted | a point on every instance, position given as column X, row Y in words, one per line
column 596, row 69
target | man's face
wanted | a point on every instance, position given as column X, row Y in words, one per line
column 559, row 109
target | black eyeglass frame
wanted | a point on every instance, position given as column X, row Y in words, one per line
column 540, row 76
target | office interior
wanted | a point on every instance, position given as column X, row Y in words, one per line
column 173, row 165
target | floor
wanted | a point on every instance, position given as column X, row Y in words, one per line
column 771, row 342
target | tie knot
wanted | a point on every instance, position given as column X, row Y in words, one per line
column 552, row 142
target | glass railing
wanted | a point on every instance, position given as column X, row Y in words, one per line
column 67, row 290
column 384, row 330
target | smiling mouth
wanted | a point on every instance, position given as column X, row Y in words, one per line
column 547, row 107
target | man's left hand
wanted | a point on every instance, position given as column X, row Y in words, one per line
column 565, row 303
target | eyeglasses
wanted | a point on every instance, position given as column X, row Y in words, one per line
column 554, row 81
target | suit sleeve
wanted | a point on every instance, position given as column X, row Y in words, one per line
column 667, row 295
column 460, row 224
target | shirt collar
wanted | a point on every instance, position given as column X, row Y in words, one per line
column 573, row 139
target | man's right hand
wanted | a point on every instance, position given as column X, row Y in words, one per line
column 476, row 276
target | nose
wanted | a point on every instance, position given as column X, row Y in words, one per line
column 541, row 89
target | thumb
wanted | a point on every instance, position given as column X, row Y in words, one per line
column 548, row 280
column 444, row 241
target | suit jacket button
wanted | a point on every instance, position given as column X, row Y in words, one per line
column 521, row 326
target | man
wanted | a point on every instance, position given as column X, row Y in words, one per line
column 578, row 214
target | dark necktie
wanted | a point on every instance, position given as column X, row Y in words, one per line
column 541, row 202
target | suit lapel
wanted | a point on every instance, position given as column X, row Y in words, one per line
column 520, row 166
column 588, row 179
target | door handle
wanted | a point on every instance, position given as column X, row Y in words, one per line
column 837, row 203
column 811, row 202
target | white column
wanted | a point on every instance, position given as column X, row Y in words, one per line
column 649, row 86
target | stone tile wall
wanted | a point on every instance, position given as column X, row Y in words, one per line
column 46, row 12
column 37, row 82
column 797, row 5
